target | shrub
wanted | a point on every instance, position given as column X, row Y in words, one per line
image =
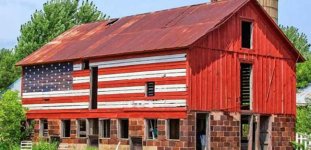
column 44, row 145
column 11, row 115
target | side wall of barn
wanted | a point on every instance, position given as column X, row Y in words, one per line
column 214, row 67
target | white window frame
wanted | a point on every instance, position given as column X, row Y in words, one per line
column 78, row 128
column 147, row 129
column 62, row 128
column 119, row 128
column 168, row 129
column 41, row 128
column 101, row 128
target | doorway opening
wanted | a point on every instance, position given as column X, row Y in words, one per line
column 92, row 132
column 264, row 137
column 248, row 132
column 202, row 131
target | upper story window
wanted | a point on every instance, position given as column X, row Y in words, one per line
column 247, row 37
column 86, row 65
column 150, row 89
column 246, row 85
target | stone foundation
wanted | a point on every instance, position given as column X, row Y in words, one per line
column 224, row 133
column 283, row 132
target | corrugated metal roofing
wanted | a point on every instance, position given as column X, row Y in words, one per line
column 167, row 29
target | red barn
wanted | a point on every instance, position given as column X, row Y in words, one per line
column 217, row 75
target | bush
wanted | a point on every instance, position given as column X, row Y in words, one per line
column 11, row 115
column 44, row 145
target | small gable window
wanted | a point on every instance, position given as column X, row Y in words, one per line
column 247, row 31
column 150, row 89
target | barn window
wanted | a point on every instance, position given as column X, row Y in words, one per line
column 86, row 65
column 81, row 128
column 150, row 89
column 94, row 86
column 247, row 34
column 246, row 86
column 123, row 128
column 65, row 128
column 152, row 128
column 173, row 128
column 44, row 127
column 105, row 128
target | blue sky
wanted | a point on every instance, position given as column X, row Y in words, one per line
column 14, row 13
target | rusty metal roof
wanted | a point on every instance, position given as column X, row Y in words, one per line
column 166, row 29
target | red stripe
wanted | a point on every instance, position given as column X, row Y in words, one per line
column 134, row 82
column 144, row 67
column 81, row 73
column 162, row 113
column 71, row 99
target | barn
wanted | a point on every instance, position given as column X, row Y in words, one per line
column 217, row 75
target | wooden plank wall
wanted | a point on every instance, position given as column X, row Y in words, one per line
column 214, row 61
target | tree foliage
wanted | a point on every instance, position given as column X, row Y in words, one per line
column 56, row 17
column 300, row 41
column 303, row 122
column 11, row 115
column 8, row 72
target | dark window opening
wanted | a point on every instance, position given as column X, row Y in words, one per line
column 86, row 65
column 246, row 34
column 201, row 131
column 173, row 128
column 246, row 86
column 94, row 87
column 124, row 128
column 82, row 128
column 248, row 132
column 44, row 127
column 105, row 128
column 152, row 128
column 150, row 89
column 66, row 128
column 93, row 132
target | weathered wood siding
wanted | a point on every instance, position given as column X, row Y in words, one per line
column 214, row 67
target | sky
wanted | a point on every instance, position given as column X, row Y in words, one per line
column 14, row 13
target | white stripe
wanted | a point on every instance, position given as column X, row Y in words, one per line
column 118, row 104
column 104, row 91
column 83, row 92
column 138, row 61
column 141, row 104
column 83, row 105
column 134, row 75
column 77, row 67
column 141, row 89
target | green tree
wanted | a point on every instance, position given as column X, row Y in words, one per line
column 56, row 17
column 8, row 71
column 303, row 122
column 300, row 41
column 11, row 115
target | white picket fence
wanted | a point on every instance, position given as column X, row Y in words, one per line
column 304, row 139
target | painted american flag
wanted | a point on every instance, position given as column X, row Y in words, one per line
column 46, row 78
